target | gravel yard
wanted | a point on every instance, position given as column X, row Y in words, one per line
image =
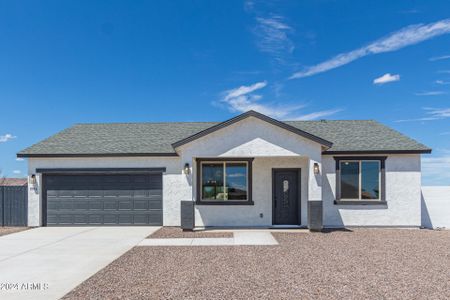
column 9, row 230
column 363, row 264
column 176, row 232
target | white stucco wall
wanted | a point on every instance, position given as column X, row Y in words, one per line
column 176, row 185
column 403, row 181
column 436, row 206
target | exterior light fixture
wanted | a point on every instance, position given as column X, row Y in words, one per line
column 187, row 169
column 316, row 169
column 33, row 179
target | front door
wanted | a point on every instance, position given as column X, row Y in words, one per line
column 286, row 191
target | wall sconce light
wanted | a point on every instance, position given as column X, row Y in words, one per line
column 33, row 179
column 187, row 169
column 316, row 169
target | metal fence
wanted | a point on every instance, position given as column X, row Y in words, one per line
column 13, row 205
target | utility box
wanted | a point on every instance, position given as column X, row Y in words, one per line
column 315, row 215
column 187, row 215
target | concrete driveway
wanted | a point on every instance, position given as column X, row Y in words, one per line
column 48, row 262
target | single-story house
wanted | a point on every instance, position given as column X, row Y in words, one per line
column 249, row 171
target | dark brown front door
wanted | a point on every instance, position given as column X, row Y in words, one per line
column 286, row 191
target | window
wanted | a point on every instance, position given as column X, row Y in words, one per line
column 224, row 181
column 360, row 180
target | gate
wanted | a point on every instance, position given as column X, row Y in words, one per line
column 13, row 205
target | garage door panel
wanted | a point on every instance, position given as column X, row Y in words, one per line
column 141, row 204
column 96, row 219
column 125, row 204
column 95, row 204
column 103, row 199
column 125, row 219
column 111, row 204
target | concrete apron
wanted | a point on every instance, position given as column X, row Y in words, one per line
column 48, row 262
column 240, row 238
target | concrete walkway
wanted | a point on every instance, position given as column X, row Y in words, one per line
column 48, row 262
column 240, row 238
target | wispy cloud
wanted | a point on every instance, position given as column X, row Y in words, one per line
column 17, row 172
column 445, row 133
column 7, row 137
column 431, row 114
column 406, row 36
column 444, row 71
column 388, row 77
column 19, row 159
column 442, row 82
column 272, row 37
column 244, row 98
column 439, row 57
column 430, row 93
column 436, row 170
column 317, row 115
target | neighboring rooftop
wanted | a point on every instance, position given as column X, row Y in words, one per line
column 13, row 181
column 142, row 139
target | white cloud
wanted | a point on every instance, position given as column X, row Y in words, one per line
column 439, row 57
column 6, row 137
column 19, row 159
column 442, row 82
column 432, row 115
column 445, row 133
column 272, row 37
column 388, row 77
column 444, row 71
column 406, row 36
column 438, row 112
column 243, row 99
column 17, row 172
column 430, row 93
column 435, row 170
column 317, row 115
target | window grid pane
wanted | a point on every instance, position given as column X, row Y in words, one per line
column 236, row 181
column 370, row 180
column 212, row 181
column 224, row 181
column 350, row 185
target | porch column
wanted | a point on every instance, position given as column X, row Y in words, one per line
column 315, row 204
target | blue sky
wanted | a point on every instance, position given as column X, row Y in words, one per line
column 65, row 62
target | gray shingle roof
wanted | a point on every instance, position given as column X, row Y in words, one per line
column 157, row 138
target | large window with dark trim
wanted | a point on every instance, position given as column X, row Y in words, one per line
column 360, row 180
column 224, row 181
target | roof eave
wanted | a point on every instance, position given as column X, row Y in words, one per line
column 58, row 155
column 422, row 151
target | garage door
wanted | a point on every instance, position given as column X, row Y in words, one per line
column 116, row 199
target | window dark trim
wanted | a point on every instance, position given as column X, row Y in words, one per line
column 382, row 200
column 249, row 201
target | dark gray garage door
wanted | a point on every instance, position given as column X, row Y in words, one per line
column 120, row 199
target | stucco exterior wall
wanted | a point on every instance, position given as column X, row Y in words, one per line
column 403, row 182
column 175, row 184
column 436, row 206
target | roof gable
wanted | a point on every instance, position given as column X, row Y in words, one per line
column 259, row 116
